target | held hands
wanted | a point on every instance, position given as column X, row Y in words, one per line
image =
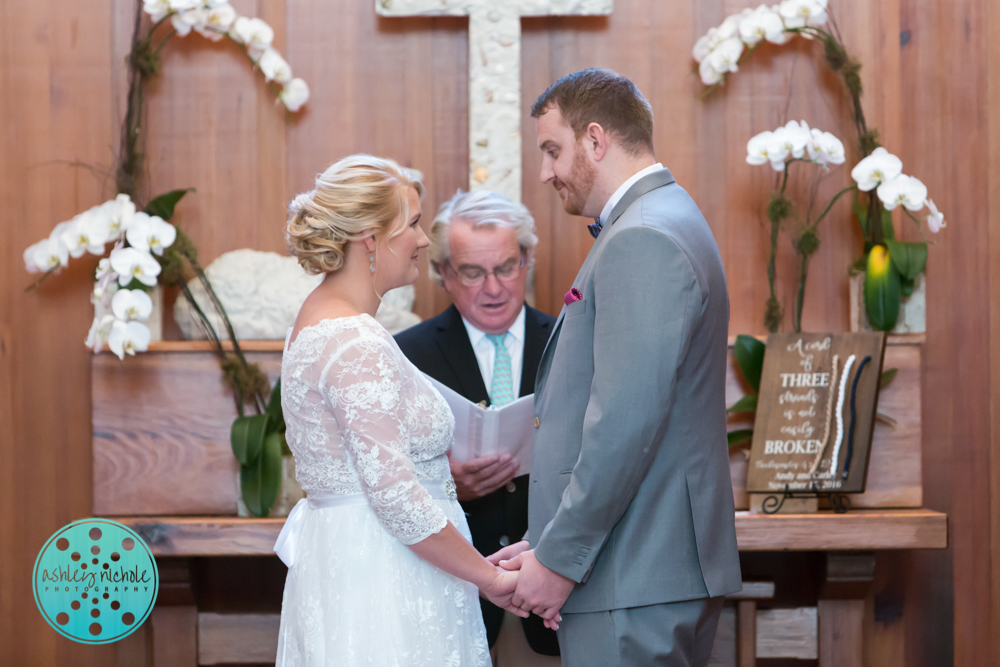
column 538, row 589
column 477, row 477
column 500, row 591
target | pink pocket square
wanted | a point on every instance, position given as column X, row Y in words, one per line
column 572, row 296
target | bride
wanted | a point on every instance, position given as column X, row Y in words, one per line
column 381, row 566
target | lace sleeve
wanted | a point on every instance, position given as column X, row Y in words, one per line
column 362, row 386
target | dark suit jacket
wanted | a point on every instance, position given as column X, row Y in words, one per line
column 440, row 347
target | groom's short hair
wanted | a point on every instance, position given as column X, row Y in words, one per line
column 604, row 97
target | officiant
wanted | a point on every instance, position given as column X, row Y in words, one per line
column 486, row 347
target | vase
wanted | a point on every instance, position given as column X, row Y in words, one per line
column 289, row 493
column 912, row 309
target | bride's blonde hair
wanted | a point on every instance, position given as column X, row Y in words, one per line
column 357, row 197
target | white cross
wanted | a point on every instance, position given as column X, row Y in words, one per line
column 494, row 76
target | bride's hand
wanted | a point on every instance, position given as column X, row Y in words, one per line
column 501, row 590
column 508, row 552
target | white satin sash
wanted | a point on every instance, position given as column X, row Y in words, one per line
column 286, row 544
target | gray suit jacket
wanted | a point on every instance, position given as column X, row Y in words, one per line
column 630, row 491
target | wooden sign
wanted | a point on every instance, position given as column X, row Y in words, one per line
column 816, row 412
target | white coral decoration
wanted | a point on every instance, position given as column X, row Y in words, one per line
column 880, row 166
column 904, row 190
column 215, row 19
column 128, row 338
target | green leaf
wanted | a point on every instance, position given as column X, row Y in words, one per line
column 862, row 214
column 746, row 404
column 749, row 354
column 910, row 258
column 261, row 481
column 882, row 290
column 906, row 286
column 887, row 377
column 888, row 232
column 277, row 423
column 285, row 451
column 740, row 437
column 163, row 205
column 136, row 284
column 247, row 436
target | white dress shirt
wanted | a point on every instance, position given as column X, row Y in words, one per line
column 513, row 340
column 620, row 192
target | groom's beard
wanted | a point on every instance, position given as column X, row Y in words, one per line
column 581, row 182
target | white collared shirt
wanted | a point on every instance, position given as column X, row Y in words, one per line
column 620, row 192
column 513, row 340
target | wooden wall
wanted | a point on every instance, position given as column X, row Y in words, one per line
column 398, row 88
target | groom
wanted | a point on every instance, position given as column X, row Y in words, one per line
column 631, row 525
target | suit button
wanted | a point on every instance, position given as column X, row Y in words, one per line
column 511, row 487
column 504, row 540
column 537, row 423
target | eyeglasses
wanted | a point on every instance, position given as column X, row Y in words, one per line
column 474, row 276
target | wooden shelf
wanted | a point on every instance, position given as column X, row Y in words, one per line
column 858, row 530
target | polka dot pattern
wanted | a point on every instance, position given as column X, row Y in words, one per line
column 502, row 386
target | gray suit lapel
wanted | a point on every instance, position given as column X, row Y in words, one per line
column 644, row 185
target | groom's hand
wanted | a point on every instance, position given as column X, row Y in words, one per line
column 508, row 552
column 539, row 589
column 478, row 477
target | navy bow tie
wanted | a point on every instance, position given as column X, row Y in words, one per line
column 595, row 228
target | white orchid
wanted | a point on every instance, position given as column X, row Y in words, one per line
column 46, row 255
column 824, row 148
column 794, row 138
column 880, row 166
column 130, row 263
column 86, row 233
column 904, row 190
column 274, row 67
column 709, row 75
column 157, row 9
column 192, row 19
column 98, row 334
column 132, row 304
column 218, row 20
column 759, row 148
column 150, row 233
column 705, row 44
column 800, row 13
column 935, row 221
column 761, row 24
column 726, row 55
column 294, row 94
column 254, row 33
column 128, row 338
column 117, row 214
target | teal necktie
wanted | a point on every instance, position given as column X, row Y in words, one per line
column 502, row 387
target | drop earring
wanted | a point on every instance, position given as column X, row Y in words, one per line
column 371, row 262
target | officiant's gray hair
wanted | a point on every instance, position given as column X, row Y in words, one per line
column 482, row 208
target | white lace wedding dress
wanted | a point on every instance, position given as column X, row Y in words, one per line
column 369, row 434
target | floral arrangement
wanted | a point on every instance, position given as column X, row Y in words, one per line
column 793, row 142
column 891, row 267
column 148, row 250
column 215, row 20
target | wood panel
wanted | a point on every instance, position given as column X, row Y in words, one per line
column 161, row 433
column 237, row 638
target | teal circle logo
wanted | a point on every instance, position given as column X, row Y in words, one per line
column 95, row 581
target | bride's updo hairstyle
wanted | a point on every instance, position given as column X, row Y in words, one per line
column 358, row 196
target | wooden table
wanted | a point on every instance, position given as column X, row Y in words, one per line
column 857, row 530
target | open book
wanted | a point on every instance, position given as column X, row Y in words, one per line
column 483, row 431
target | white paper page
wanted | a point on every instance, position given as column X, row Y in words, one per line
column 483, row 431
